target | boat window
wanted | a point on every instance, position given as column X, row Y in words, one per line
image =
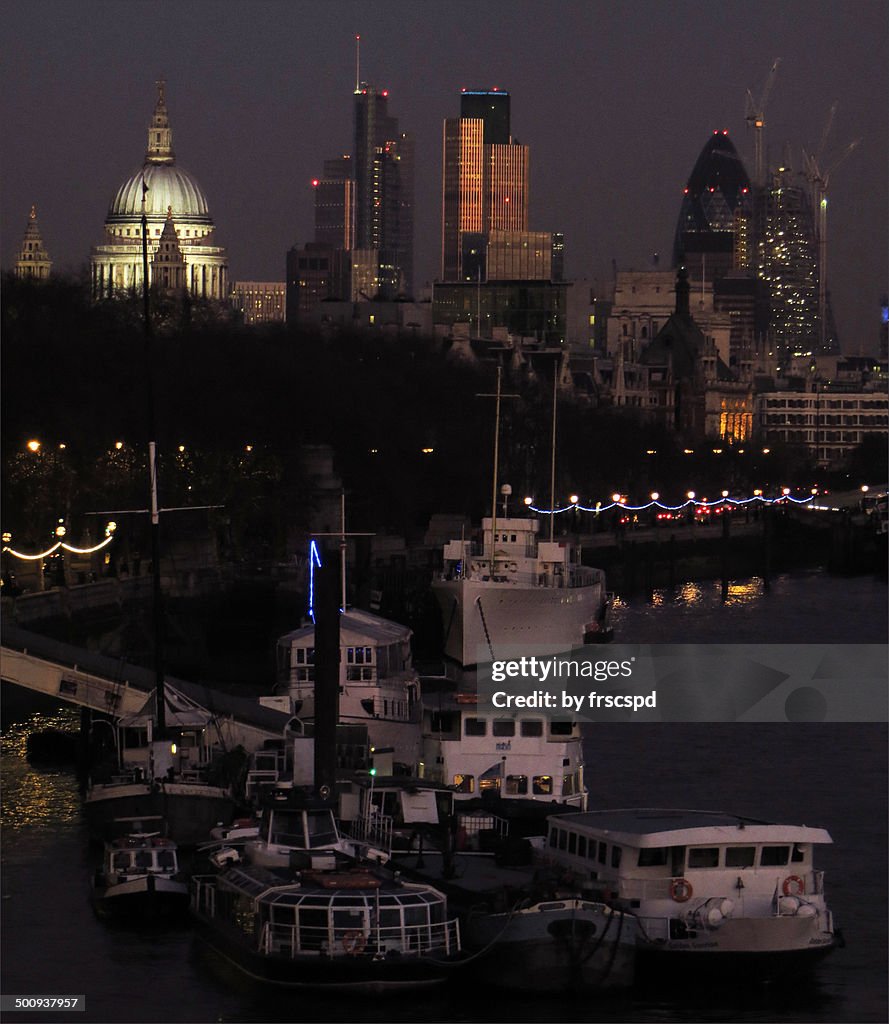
column 703, row 857
column 531, row 727
column 603, row 851
column 650, row 857
column 554, row 837
column 516, row 785
column 773, row 856
column 305, row 655
column 542, row 785
column 740, row 856
column 799, row 853
column 121, row 860
column 359, row 655
column 615, row 856
column 166, row 859
column 563, row 839
column 143, row 858
column 581, row 846
column 503, row 727
column 464, row 783
column 572, row 842
column 567, row 785
column 475, row 726
column 561, row 728
column 321, row 828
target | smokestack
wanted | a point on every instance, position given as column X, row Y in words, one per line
column 327, row 670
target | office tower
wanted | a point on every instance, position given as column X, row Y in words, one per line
column 383, row 170
column 334, row 204
column 492, row 107
column 712, row 232
column 788, row 266
column 484, row 183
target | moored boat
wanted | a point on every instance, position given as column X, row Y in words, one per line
column 140, row 877
column 714, row 892
column 298, row 910
column 524, row 928
column 507, row 589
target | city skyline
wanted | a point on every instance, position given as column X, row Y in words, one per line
column 614, row 103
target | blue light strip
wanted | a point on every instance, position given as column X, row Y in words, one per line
column 314, row 559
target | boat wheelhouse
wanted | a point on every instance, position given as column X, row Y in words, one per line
column 140, row 877
column 708, row 888
column 379, row 688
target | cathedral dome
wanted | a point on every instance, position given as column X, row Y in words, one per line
column 169, row 187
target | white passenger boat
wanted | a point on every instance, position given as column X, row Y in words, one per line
column 712, row 891
column 140, row 878
column 298, row 911
column 529, row 756
column 506, row 589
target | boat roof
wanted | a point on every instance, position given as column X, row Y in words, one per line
column 357, row 625
column 651, row 827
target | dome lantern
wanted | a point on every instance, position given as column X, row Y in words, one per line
column 160, row 135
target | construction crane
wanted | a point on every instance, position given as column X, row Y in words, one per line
column 818, row 175
column 756, row 119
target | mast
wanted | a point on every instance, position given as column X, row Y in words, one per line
column 159, row 696
column 496, row 459
column 552, row 470
column 498, row 395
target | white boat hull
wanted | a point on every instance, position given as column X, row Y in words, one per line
column 483, row 619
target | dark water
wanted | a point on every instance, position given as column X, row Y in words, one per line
column 832, row 775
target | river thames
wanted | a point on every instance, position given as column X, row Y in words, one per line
column 825, row 774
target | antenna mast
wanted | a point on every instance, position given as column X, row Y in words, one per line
column 357, row 63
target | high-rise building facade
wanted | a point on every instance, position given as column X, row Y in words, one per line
column 484, row 183
column 383, row 173
column 787, row 258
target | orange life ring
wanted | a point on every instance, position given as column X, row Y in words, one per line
column 681, row 890
column 793, row 886
column 354, row 942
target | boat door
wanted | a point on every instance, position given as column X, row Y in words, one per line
column 351, row 925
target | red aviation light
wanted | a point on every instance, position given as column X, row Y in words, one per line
column 385, row 92
column 685, row 191
column 315, row 182
column 725, row 131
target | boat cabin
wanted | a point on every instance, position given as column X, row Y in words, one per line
column 519, row 556
column 140, row 855
column 644, row 856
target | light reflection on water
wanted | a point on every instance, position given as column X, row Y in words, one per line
column 44, row 797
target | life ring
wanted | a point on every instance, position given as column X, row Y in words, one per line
column 681, row 890
column 793, row 886
column 354, row 942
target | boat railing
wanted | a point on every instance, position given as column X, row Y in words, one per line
column 369, row 942
column 375, row 828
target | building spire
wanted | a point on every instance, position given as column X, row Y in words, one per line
column 160, row 136
column 33, row 260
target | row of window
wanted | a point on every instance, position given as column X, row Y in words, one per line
column 513, row 785
column 698, row 857
column 507, row 727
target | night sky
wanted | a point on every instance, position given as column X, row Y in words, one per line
column 615, row 100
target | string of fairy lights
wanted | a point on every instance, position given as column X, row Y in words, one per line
column 619, row 502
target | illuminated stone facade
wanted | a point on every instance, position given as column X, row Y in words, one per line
column 167, row 193
column 33, row 260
